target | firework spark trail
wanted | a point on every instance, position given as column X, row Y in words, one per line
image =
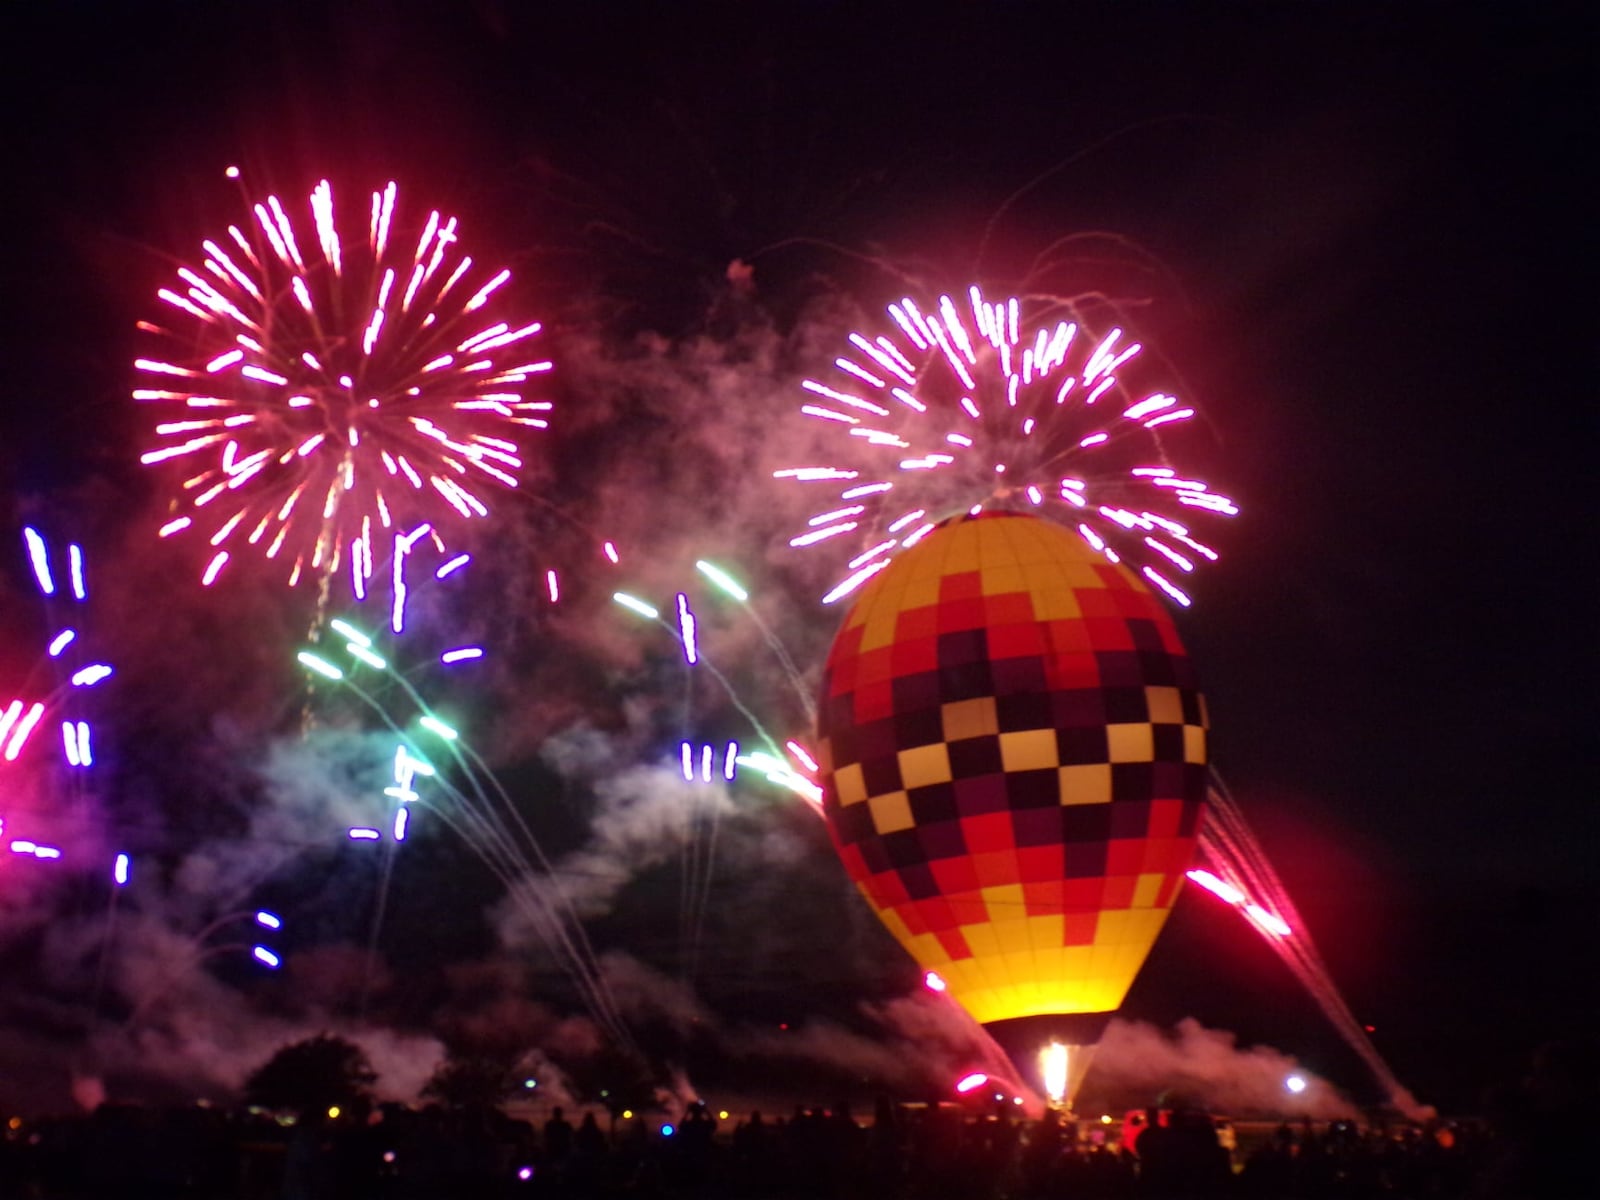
column 68, row 656
column 198, row 950
column 649, row 613
column 953, row 412
column 487, row 820
column 701, row 834
column 731, row 588
column 1230, row 846
column 319, row 395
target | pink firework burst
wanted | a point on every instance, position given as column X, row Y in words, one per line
column 968, row 407
column 319, row 394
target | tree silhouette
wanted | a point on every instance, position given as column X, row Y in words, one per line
column 473, row 1083
column 312, row 1075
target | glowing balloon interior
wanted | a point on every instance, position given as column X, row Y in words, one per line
column 1014, row 755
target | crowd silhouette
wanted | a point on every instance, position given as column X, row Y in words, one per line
column 1527, row 1146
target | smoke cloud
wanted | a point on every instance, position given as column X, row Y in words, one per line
column 1209, row 1065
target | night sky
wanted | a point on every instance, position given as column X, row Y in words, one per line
column 1353, row 229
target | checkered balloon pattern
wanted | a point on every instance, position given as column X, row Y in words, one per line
column 1014, row 757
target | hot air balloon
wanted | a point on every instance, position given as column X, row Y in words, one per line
column 1014, row 763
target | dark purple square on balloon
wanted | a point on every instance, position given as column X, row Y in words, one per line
column 921, row 726
column 1168, row 781
column 1085, row 745
column 1031, row 710
column 1126, row 705
column 963, row 646
column 975, row 756
column 1191, row 705
column 1119, row 668
column 876, row 739
column 1080, row 708
column 1132, row 781
column 1158, row 667
column 919, row 881
column 844, row 745
column 882, row 775
column 917, row 692
column 1086, row 822
column 853, row 823
column 1168, row 743
column 903, row 848
column 1084, row 860
column 1034, row 789
column 982, row 794
column 942, row 839
column 1146, row 634
column 1013, row 675
column 838, row 712
column 933, row 804
column 965, row 681
column 1130, row 819
column 874, row 854
column 1036, row 826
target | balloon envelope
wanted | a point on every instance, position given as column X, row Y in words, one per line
column 1014, row 758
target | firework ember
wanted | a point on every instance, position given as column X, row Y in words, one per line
column 955, row 411
column 320, row 394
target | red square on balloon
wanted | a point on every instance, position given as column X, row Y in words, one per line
column 954, row 944
column 1009, row 608
column 952, row 875
column 1136, row 605
column 1045, row 898
column 960, row 585
column 1098, row 602
column 916, row 623
column 988, row 832
column 1169, row 889
column 915, row 917
column 1067, row 672
column 1165, row 816
column 1108, row 575
column 1081, row 895
column 1068, row 636
column 956, row 615
column 854, row 866
column 913, row 657
column 995, row 869
column 874, row 702
column 848, row 643
column 1125, row 856
column 1118, row 891
column 876, row 665
column 934, row 913
column 1078, row 928
column 1109, row 633
column 886, row 889
column 1038, row 864
column 1016, row 641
